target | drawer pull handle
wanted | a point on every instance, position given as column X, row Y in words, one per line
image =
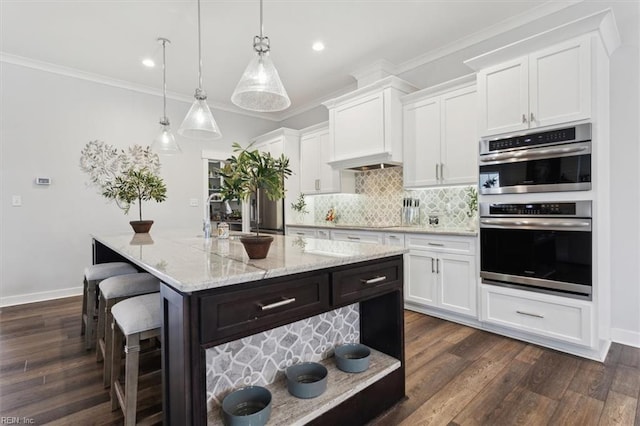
column 436, row 244
column 276, row 304
column 530, row 314
column 352, row 238
column 299, row 233
column 374, row 280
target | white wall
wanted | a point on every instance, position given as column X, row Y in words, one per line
column 46, row 119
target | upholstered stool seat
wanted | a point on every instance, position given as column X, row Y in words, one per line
column 135, row 319
column 93, row 275
column 112, row 291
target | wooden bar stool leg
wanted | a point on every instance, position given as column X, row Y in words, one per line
column 108, row 345
column 132, row 349
column 84, row 306
column 116, row 362
column 90, row 330
column 100, row 334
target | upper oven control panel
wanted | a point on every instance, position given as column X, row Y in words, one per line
column 578, row 133
column 566, row 209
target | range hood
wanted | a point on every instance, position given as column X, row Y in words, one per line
column 366, row 162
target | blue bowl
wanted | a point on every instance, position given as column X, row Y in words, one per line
column 250, row 406
column 352, row 357
column 306, row 380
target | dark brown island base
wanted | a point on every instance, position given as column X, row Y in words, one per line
column 212, row 294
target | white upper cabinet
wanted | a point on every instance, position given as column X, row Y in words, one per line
column 316, row 175
column 440, row 140
column 365, row 126
column 548, row 87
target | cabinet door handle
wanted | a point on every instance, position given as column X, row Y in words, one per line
column 533, row 118
column 352, row 238
column 432, row 268
column 437, row 266
column 436, row 244
column 437, row 177
column 274, row 305
column 524, row 118
column 529, row 314
column 317, row 184
column 441, row 171
column 374, row 280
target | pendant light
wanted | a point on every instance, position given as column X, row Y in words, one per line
column 199, row 122
column 260, row 88
column 165, row 142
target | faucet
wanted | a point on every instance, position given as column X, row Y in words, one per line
column 206, row 223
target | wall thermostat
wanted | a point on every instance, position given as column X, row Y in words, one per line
column 43, row 181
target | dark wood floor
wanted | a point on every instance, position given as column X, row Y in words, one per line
column 456, row 375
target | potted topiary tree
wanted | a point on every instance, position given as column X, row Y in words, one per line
column 247, row 173
column 136, row 185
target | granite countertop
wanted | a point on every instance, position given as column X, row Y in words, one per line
column 392, row 228
column 187, row 262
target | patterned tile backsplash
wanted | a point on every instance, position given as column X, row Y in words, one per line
column 378, row 202
column 262, row 358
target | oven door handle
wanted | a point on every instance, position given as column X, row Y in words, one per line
column 536, row 223
column 533, row 153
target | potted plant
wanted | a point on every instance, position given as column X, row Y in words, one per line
column 472, row 206
column 300, row 207
column 136, row 185
column 246, row 173
column 124, row 176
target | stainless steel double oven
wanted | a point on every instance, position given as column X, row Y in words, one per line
column 537, row 246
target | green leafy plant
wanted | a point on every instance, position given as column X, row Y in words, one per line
column 300, row 205
column 472, row 201
column 250, row 171
column 135, row 185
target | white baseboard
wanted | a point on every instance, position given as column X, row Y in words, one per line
column 626, row 337
column 39, row 297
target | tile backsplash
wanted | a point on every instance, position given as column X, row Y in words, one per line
column 378, row 202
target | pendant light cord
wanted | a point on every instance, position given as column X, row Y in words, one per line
column 200, row 85
column 261, row 22
column 165, row 120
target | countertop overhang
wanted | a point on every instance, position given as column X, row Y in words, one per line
column 186, row 261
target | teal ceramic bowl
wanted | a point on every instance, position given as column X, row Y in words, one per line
column 352, row 357
column 249, row 406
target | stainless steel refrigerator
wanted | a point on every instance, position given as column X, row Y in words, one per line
column 271, row 220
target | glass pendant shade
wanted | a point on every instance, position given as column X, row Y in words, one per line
column 199, row 122
column 165, row 142
column 260, row 88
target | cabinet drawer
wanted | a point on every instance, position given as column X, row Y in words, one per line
column 449, row 244
column 360, row 282
column 549, row 316
column 301, row 232
column 357, row 236
column 263, row 307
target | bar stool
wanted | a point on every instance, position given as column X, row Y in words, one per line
column 135, row 319
column 92, row 276
column 112, row 291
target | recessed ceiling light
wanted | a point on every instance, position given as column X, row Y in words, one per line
column 318, row 46
column 148, row 63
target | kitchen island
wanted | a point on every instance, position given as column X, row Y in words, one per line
column 213, row 295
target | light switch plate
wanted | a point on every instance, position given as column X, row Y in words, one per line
column 16, row 200
column 193, row 202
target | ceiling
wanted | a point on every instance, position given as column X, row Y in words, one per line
column 110, row 38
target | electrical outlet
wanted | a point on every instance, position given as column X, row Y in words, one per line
column 16, row 200
column 193, row 202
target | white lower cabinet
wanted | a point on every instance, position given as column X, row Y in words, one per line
column 357, row 236
column 323, row 234
column 441, row 272
column 559, row 318
column 302, row 232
